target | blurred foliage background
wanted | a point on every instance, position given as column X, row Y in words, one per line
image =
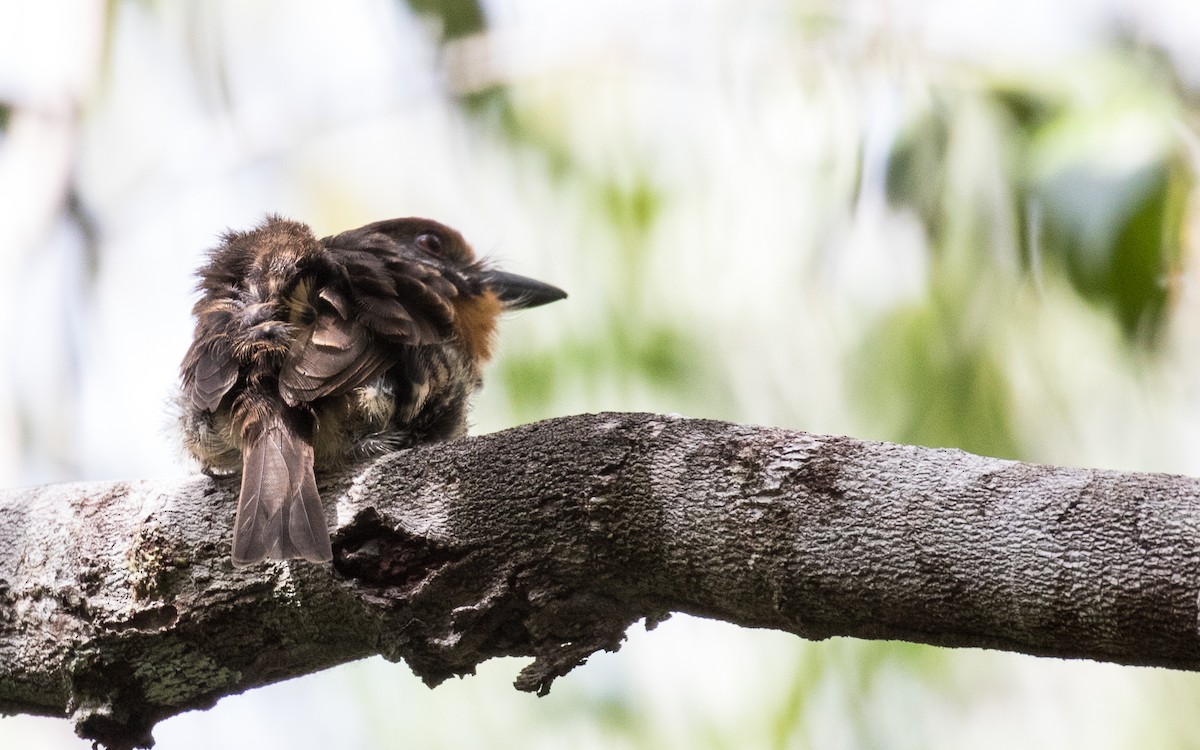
column 952, row 224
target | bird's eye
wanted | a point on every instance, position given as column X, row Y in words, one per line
column 430, row 243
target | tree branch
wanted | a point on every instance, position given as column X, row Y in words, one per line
column 119, row 607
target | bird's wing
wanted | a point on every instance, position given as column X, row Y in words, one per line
column 400, row 299
column 359, row 331
column 334, row 354
column 209, row 368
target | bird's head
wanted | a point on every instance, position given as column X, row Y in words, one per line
column 435, row 273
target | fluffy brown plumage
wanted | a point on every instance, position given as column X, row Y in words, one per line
column 309, row 354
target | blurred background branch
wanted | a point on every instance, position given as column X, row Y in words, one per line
column 969, row 225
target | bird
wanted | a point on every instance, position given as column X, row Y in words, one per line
column 311, row 354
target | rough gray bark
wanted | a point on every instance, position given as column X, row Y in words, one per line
column 119, row 607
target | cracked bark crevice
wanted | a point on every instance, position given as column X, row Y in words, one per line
column 119, row 606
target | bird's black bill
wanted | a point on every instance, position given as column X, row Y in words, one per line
column 519, row 292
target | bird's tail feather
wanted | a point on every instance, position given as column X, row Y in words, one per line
column 279, row 513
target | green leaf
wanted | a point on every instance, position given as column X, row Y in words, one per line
column 455, row 18
column 1118, row 234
